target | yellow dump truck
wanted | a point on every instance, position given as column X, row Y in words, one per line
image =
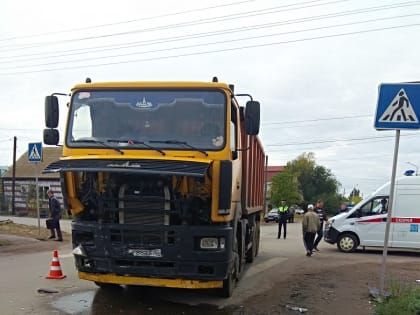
column 165, row 181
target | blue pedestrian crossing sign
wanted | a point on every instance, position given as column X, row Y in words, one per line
column 35, row 152
column 398, row 106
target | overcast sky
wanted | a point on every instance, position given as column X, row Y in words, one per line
column 315, row 66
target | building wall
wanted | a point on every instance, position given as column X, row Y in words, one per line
column 21, row 193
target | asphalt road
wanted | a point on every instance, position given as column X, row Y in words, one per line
column 22, row 275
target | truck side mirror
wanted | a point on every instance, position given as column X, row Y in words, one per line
column 51, row 111
column 51, row 136
column 252, row 118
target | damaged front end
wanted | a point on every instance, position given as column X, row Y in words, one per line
column 143, row 219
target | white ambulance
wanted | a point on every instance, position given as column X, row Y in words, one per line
column 364, row 225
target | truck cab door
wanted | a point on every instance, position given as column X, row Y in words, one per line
column 371, row 222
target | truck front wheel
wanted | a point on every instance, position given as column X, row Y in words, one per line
column 229, row 283
column 347, row 243
column 107, row 286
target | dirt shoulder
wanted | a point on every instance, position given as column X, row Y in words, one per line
column 20, row 239
column 326, row 286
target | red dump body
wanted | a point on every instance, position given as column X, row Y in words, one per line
column 253, row 163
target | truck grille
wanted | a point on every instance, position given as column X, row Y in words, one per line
column 142, row 206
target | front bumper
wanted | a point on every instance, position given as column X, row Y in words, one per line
column 154, row 282
column 109, row 254
column 331, row 235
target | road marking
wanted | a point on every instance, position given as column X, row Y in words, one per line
column 254, row 269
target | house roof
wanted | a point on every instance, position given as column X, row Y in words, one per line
column 273, row 170
column 25, row 169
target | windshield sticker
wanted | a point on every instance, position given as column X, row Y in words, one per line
column 218, row 141
column 83, row 95
column 144, row 104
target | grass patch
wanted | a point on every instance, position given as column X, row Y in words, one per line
column 4, row 242
column 404, row 300
column 8, row 227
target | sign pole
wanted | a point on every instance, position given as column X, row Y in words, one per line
column 37, row 199
column 389, row 216
column 35, row 155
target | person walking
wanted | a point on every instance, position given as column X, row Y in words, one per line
column 319, row 210
column 55, row 215
column 283, row 216
column 310, row 225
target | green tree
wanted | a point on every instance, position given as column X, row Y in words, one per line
column 285, row 185
column 355, row 196
column 310, row 183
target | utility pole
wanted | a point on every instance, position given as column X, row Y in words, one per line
column 14, row 176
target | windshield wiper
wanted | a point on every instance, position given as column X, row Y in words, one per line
column 102, row 143
column 130, row 141
column 181, row 143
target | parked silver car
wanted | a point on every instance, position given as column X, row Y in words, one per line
column 272, row 215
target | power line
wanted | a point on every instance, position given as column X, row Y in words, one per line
column 316, row 119
column 214, row 51
column 218, row 19
column 229, row 17
column 338, row 140
column 129, row 21
column 188, row 46
column 197, row 35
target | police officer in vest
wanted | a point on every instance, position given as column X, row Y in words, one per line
column 283, row 213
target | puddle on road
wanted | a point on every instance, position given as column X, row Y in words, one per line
column 131, row 300
column 77, row 303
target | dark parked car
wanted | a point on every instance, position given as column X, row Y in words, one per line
column 272, row 215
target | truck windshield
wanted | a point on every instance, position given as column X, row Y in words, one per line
column 138, row 117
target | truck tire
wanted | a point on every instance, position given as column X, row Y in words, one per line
column 347, row 243
column 257, row 242
column 107, row 286
column 251, row 253
column 228, row 285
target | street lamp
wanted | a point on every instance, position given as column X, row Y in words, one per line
column 417, row 168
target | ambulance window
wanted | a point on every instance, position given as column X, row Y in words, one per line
column 378, row 205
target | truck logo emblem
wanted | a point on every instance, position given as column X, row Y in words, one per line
column 144, row 104
column 126, row 164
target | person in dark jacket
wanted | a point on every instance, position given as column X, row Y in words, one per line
column 319, row 210
column 55, row 215
column 283, row 216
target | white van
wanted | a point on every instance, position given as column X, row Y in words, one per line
column 364, row 224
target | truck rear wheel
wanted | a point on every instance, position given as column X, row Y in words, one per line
column 347, row 243
column 252, row 252
column 257, row 240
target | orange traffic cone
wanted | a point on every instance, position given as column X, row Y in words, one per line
column 55, row 270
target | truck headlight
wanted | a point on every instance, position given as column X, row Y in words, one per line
column 212, row 243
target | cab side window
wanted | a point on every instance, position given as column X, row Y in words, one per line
column 378, row 205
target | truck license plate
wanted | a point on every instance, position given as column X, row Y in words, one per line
column 145, row 252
